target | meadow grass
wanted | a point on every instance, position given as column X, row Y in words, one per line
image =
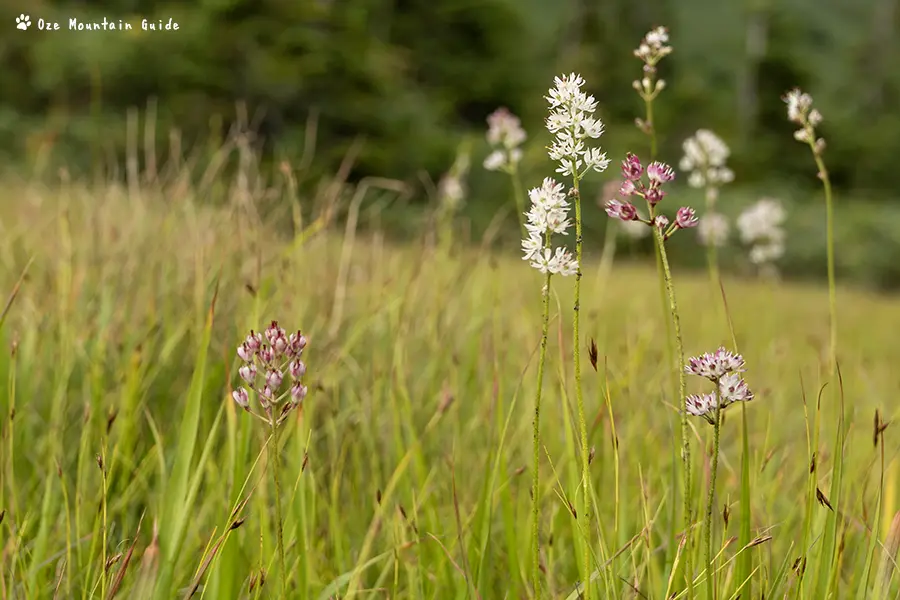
column 127, row 471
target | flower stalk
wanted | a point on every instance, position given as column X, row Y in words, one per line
column 547, row 215
column 266, row 359
column 571, row 122
column 801, row 112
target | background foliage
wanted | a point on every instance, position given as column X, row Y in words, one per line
column 411, row 79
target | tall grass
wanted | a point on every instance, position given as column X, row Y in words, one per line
column 404, row 474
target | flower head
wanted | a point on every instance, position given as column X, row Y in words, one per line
column 653, row 47
column 713, row 229
column 547, row 215
column 700, row 405
column 800, row 111
column 505, row 135
column 704, row 158
column 571, row 123
column 624, row 211
column 659, row 173
column 724, row 369
column 713, row 365
column 632, row 170
column 271, row 354
column 760, row 227
column 685, row 218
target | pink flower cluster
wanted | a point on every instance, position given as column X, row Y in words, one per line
column 657, row 173
column 266, row 358
column 723, row 368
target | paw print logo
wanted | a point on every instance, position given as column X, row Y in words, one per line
column 23, row 22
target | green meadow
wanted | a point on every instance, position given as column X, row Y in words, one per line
column 128, row 471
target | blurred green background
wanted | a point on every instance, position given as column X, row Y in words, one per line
column 410, row 80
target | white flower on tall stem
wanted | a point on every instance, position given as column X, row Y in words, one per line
column 704, row 158
column 571, row 123
column 760, row 227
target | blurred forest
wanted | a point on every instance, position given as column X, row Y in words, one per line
column 412, row 79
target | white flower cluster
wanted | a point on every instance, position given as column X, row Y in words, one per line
column 801, row 112
column 571, row 122
column 653, row 47
column 761, row 227
column 704, row 156
column 505, row 135
column 713, row 229
column 548, row 215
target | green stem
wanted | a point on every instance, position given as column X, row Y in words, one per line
column 685, row 439
column 712, row 263
column 707, row 552
column 829, row 217
column 519, row 196
column 669, row 291
column 535, row 475
column 579, row 397
column 279, row 523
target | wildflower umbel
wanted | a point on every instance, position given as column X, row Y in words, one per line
column 267, row 358
column 657, row 174
column 723, row 368
column 571, row 123
column 548, row 215
column 505, row 136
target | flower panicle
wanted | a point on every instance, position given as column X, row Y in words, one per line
column 572, row 123
column 266, row 358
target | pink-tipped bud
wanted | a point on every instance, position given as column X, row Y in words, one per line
column 297, row 369
column 624, row 211
column 298, row 392
column 241, row 398
column 266, row 355
column 248, row 373
column 254, row 341
column 274, row 379
column 628, row 188
column 296, row 344
column 654, row 195
column 273, row 332
column 661, row 221
column 686, row 217
column 244, row 352
column 632, row 168
column 279, row 344
column 658, row 173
